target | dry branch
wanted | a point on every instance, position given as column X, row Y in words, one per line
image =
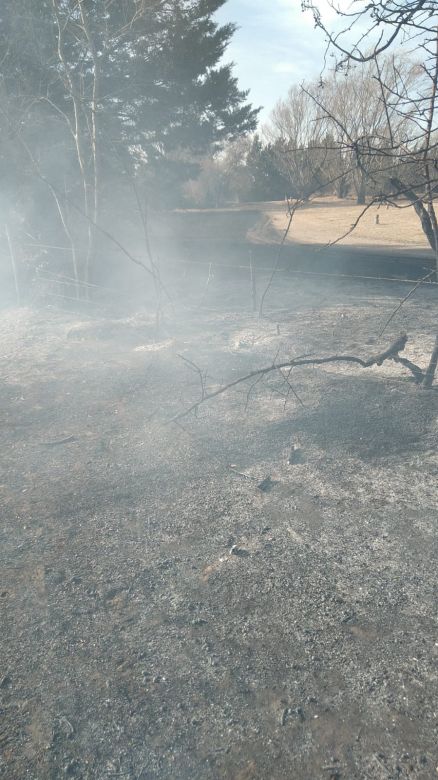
column 411, row 292
column 391, row 353
column 292, row 208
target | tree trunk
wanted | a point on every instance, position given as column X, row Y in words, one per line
column 430, row 372
column 94, row 142
column 426, row 223
column 361, row 191
column 342, row 188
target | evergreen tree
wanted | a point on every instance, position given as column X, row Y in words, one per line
column 161, row 88
column 268, row 183
column 92, row 89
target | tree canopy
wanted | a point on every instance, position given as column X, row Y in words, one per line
column 94, row 89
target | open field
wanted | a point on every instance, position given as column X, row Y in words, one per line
column 165, row 615
column 322, row 221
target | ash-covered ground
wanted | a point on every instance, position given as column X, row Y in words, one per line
column 248, row 594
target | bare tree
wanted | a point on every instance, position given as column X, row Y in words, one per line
column 299, row 138
column 357, row 106
column 401, row 157
column 321, row 126
column 367, row 30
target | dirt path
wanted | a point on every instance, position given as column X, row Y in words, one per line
column 164, row 617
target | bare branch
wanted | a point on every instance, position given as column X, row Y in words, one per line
column 392, row 353
column 292, row 209
column 411, row 292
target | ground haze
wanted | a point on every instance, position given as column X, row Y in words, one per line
column 248, row 594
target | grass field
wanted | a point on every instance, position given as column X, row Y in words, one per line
column 325, row 220
column 322, row 221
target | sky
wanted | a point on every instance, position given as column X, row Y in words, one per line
column 275, row 46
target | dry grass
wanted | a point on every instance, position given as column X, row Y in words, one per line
column 322, row 221
column 327, row 219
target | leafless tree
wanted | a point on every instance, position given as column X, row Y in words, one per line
column 357, row 106
column 400, row 157
column 299, row 137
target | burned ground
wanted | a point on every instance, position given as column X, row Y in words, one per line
column 165, row 617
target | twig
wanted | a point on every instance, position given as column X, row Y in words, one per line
column 291, row 389
column 158, row 283
column 241, row 473
column 74, row 205
column 291, row 212
column 251, row 388
column 353, row 226
column 198, row 371
column 14, row 265
column 253, row 282
column 207, row 283
column 411, row 292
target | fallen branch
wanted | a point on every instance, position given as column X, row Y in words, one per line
column 397, row 346
column 392, row 353
column 413, row 368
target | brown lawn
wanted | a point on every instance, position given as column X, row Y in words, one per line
column 325, row 220
column 322, row 221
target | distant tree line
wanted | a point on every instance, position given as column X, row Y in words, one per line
column 325, row 137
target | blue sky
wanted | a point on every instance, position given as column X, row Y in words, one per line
column 275, row 46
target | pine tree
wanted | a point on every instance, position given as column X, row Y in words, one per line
column 93, row 90
column 162, row 88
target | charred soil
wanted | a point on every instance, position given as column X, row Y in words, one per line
column 190, row 601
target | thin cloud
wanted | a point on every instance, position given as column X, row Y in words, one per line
column 285, row 67
column 276, row 44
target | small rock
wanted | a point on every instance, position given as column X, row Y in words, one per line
column 240, row 551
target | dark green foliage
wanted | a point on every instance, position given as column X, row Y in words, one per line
column 162, row 93
column 268, row 183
